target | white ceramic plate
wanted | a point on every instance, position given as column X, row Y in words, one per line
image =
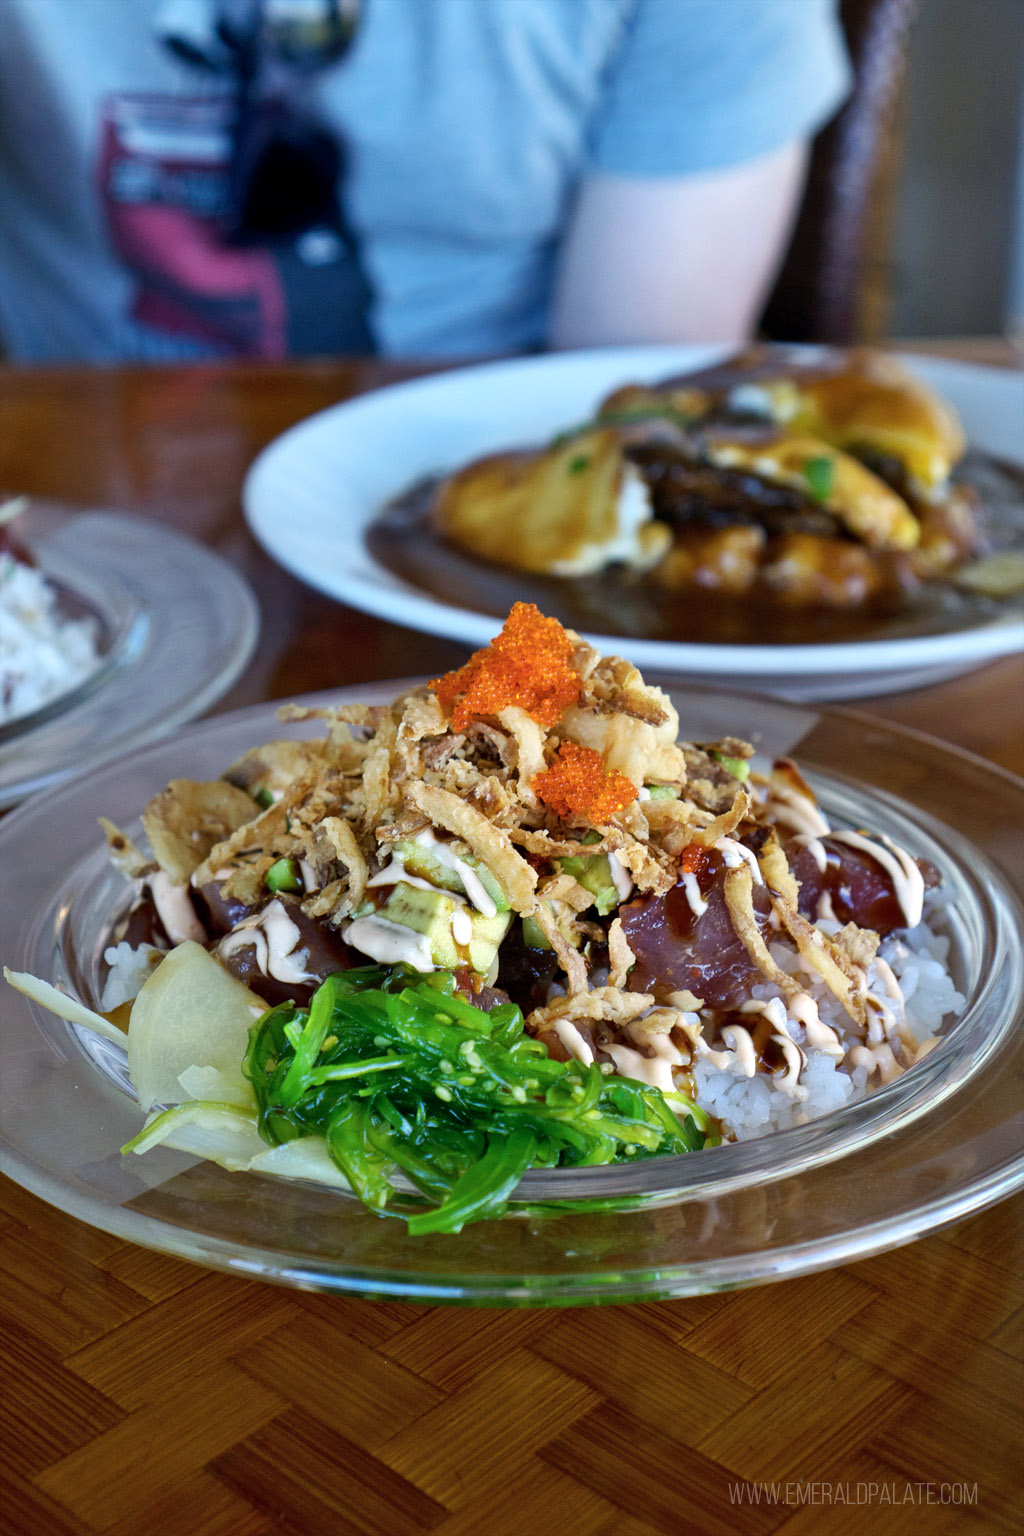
column 179, row 626
column 310, row 496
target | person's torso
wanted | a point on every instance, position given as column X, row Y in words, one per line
column 465, row 127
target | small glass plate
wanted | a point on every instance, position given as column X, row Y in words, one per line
column 176, row 624
column 938, row 1143
column 85, row 591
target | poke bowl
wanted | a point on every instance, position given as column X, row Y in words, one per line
column 825, row 1181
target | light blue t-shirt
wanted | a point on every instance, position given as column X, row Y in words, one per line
column 468, row 126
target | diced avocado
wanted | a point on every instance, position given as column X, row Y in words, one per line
column 662, row 791
column 488, row 933
column 534, row 936
column 431, row 913
column 422, row 861
column 593, row 872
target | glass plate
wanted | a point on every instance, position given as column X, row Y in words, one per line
column 313, row 493
column 935, row 1145
column 177, row 627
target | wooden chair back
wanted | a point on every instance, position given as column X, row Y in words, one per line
column 833, row 286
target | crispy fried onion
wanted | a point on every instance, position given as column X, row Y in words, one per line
column 124, row 855
column 726, row 824
column 361, row 715
column 421, row 715
column 276, row 765
column 621, row 958
column 334, row 842
column 739, row 889
column 188, row 819
column 605, row 1005
column 640, row 1040
column 569, row 958
column 776, row 871
column 672, row 823
column 823, row 957
column 377, row 775
column 529, row 754
column 491, row 844
column 268, row 832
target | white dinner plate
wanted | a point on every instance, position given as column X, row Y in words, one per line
column 179, row 626
column 312, row 493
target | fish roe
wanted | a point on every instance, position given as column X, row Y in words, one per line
column 527, row 666
column 580, row 784
column 693, row 859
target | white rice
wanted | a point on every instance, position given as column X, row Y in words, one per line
column 129, row 969
column 750, row 1107
column 42, row 653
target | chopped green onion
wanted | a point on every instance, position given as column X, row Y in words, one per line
column 820, row 476
column 284, row 876
column 737, row 766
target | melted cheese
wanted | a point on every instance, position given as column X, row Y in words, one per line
column 865, row 504
column 569, row 510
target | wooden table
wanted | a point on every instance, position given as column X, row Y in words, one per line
column 143, row 1394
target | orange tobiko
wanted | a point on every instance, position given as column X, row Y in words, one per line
column 580, row 785
column 527, row 666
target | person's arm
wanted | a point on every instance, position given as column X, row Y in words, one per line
column 675, row 258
